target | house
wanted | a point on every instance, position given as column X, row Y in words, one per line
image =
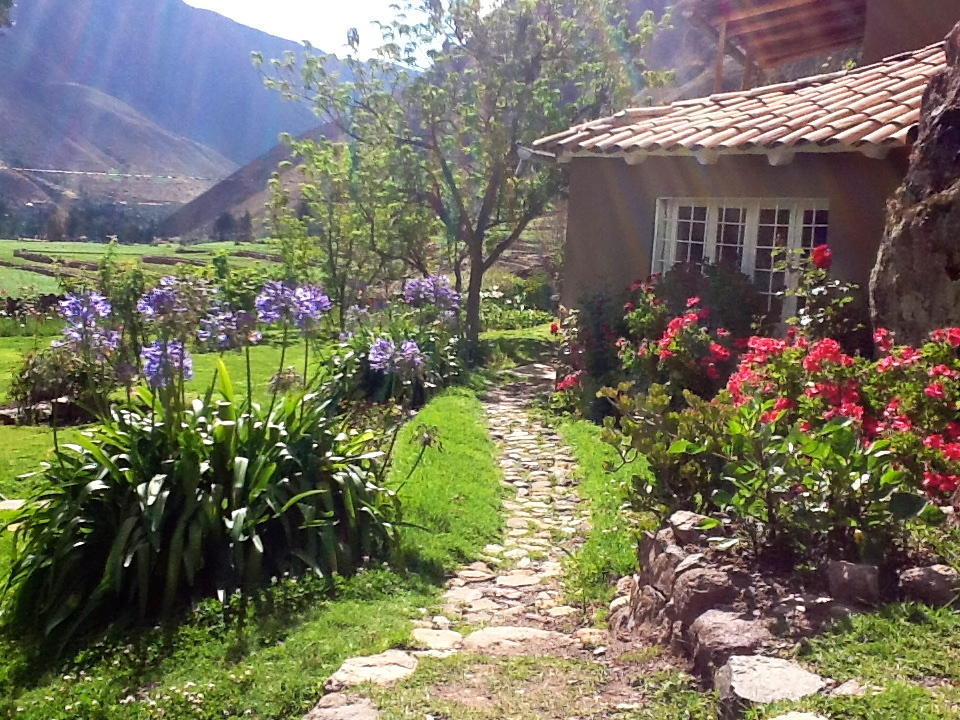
column 736, row 175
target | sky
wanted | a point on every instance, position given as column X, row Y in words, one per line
column 323, row 22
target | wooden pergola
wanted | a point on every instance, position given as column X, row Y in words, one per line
column 763, row 34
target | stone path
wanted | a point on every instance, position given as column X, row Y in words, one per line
column 513, row 596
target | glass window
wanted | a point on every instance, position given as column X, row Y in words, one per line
column 753, row 235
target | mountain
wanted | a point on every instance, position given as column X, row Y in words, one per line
column 245, row 191
column 185, row 70
column 101, row 142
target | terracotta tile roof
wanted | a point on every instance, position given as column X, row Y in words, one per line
column 855, row 110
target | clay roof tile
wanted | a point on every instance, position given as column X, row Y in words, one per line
column 875, row 104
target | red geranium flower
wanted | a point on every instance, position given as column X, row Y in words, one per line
column 822, row 257
column 554, row 328
column 693, row 301
column 935, row 390
column 883, row 339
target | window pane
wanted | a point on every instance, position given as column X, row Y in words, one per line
column 700, row 213
column 823, row 217
column 684, row 212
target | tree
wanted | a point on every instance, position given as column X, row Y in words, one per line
column 5, row 7
column 224, row 226
column 497, row 79
column 245, row 228
column 349, row 222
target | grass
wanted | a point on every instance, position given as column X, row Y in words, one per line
column 454, row 493
column 910, row 652
column 274, row 666
column 518, row 347
column 470, row 687
column 16, row 281
column 610, row 551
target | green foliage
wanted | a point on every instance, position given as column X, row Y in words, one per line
column 496, row 81
column 271, row 660
column 610, row 550
column 150, row 510
column 796, row 494
column 450, row 490
column 730, row 296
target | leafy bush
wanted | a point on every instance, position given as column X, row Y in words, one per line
column 811, row 451
column 407, row 349
column 508, row 309
column 155, row 508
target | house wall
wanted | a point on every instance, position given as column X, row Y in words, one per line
column 894, row 26
column 612, row 208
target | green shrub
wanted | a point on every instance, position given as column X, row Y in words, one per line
column 156, row 508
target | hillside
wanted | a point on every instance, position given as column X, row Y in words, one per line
column 57, row 126
column 186, row 70
column 243, row 191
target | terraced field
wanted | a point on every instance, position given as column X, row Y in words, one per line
column 28, row 275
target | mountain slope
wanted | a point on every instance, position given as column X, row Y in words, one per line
column 56, row 126
column 242, row 192
column 187, row 70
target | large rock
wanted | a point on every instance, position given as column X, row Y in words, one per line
column 514, row 639
column 757, row 680
column 699, row 590
column 437, row 639
column 342, row 707
column 651, row 545
column 934, row 585
column 382, row 669
column 852, row 582
column 915, row 285
column 663, row 570
column 717, row 635
column 686, row 527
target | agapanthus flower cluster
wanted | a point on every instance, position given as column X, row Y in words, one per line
column 227, row 330
column 433, row 290
column 384, row 356
column 165, row 361
column 82, row 312
column 311, row 305
column 303, row 305
column 85, row 309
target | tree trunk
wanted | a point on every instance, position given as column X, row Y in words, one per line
column 473, row 301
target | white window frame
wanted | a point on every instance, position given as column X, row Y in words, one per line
column 664, row 248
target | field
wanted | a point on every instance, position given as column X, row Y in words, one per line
column 22, row 279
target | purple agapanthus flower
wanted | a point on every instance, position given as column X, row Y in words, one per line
column 381, row 355
column 311, row 304
column 226, row 330
column 276, row 300
column 164, row 361
column 159, row 302
column 84, row 309
column 432, row 290
column 409, row 357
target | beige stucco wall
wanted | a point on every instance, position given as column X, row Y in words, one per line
column 894, row 26
column 612, row 208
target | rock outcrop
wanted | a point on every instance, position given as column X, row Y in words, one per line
column 915, row 285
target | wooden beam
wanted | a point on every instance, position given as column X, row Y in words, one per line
column 826, row 15
column 721, row 54
column 758, row 10
column 763, row 41
column 801, row 52
column 732, row 50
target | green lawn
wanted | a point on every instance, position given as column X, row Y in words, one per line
column 24, row 448
column 18, row 282
column 276, row 665
column 610, row 551
column 910, row 653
